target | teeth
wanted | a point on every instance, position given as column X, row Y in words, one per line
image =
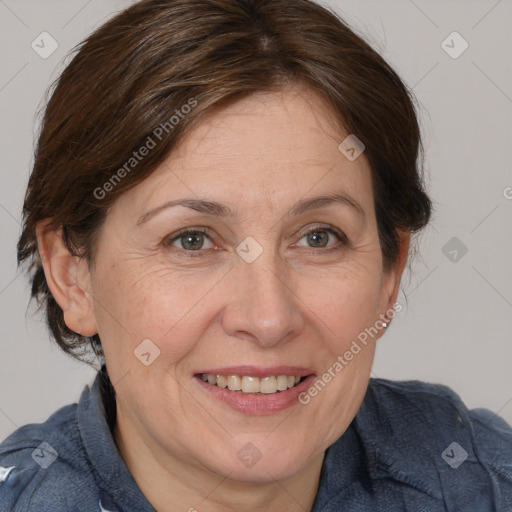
column 222, row 381
column 234, row 383
column 282, row 382
column 249, row 384
column 268, row 385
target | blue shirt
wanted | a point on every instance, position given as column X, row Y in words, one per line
column 412, row 447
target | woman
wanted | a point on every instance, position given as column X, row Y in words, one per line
column 221, row 207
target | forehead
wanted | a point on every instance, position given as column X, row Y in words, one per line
column 265, row 151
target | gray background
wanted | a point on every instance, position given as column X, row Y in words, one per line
column 457, row 324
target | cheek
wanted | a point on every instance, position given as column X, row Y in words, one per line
column 142, row 298
column 135, row 301
column 346, row 305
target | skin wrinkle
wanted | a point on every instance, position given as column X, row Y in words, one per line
column 286, row 307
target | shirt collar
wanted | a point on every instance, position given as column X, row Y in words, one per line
column 363, row 452
column 107, row 466
column 381, row 443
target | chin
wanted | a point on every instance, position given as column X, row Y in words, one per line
column 262, row 459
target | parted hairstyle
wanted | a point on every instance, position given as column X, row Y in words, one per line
column 151, row 73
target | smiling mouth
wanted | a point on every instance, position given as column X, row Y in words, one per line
column 246, row 384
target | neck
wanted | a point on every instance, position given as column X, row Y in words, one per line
column 171, row 484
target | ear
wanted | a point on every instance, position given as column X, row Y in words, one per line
column 68, row 278
column 391, row 279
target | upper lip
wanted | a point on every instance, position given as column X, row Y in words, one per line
column 258, row 371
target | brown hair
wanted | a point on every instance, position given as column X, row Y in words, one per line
column 132, row 78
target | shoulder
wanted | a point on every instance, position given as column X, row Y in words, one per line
column 42, row 464
column 439, row 406
column 425, row 431
column 435, row 410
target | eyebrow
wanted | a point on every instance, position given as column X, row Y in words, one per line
column 223, row 210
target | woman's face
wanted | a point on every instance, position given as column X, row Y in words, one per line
column 277, row 286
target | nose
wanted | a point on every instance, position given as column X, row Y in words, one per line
column 263, row 307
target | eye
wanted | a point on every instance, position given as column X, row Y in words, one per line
column 319, row 236
column 191, row 240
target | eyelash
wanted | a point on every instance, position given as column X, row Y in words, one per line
column 190, row 254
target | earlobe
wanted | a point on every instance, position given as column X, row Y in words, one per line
column 68, row 278
column 393, row 278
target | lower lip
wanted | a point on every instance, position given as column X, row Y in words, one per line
column 257, row 404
